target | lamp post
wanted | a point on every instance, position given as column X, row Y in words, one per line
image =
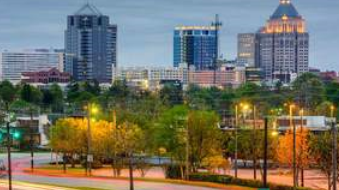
column 115, row 128
column 291, row 107
column 32, row 139
column 254, row 148
column 236, row 143
column 265, row 154
column 247, row 107
column 302, row 147
column 9, row 142
column 187, row 148
column 91, row 109
column 9, row 118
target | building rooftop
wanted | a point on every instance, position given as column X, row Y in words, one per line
column 285, row 9
column 195, row 28
column 88, row 9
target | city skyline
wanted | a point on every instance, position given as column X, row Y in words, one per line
column 139, row 26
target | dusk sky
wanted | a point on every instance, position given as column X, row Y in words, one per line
column 146, row 26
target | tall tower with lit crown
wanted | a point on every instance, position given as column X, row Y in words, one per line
column 283, row 44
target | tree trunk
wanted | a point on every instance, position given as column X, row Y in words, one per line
column 182, row 172
column 73, row 161
column 329, row 182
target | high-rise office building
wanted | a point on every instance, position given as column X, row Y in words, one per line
column 283, row 44
column 14, row 63
column 246, row 49
column 90, row 45
column 197, row 45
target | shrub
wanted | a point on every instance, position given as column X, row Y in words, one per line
column 173, row 171
column 225, row 179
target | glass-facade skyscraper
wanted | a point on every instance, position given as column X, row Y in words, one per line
column 90, row 45
column 283, row 44
column 246, row 49
column 196, row 46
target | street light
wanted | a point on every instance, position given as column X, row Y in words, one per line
column 292, row 126
column 244, row 107
column 91, row 109
column 301, row 113
column 236, row 143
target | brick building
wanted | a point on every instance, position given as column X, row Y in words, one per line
column 46, row 76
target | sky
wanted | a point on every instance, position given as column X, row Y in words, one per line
column 145, row 27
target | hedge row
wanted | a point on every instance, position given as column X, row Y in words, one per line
column 224, row 179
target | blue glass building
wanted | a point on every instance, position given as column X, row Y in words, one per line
column 196, row 46
column 90, row 45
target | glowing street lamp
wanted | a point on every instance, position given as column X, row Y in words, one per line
column 274, row 133
column 332, row 111
column 244, row 107
column 91, row 109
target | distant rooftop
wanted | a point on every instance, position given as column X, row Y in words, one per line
column 88, row 9
column 195, row 28
column 285, row 8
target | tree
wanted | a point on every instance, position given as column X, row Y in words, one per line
column 30, row 94
column 309, row 91
column 320, row 151
column 172, row 94
column 332, row 92
column 285, row 149
column 58, row 98
column 205, row 138
column 81, row 93
column 215, row 163
column 7, row 92
column 170, row 134
column 68, row 136
column 203, row 135
column 119, row 89
column 324, row 109
column 92, row 87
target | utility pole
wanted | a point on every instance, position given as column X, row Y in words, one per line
column 265, row 154
column 187, row 149
column 236, row 144
column 9, row 143
column 334, row 156
column 294, row 146
column 294, row 158
column 89, row 141
column 253, row 144
column 302, row 147
column 115, row 162
column 32, row 140
column 131, row 181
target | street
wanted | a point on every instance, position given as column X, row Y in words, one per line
column 22, row 160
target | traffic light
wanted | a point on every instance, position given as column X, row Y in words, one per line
column 16, row 135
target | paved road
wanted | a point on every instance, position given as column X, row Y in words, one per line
column 21, row 161
column 28, row 186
